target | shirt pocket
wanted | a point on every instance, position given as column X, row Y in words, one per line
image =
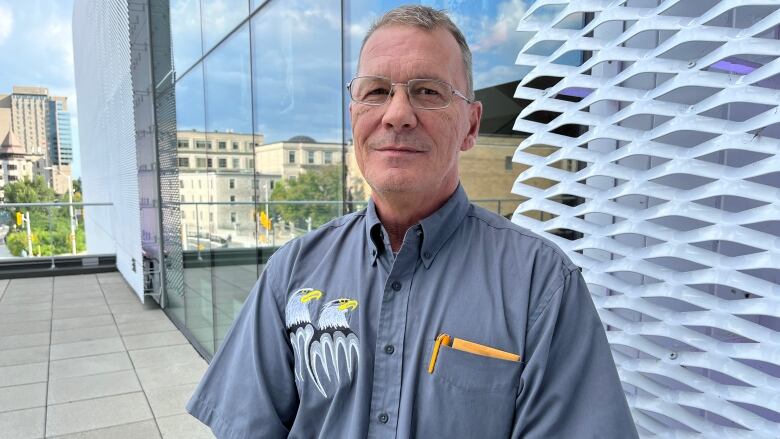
column 466, row 396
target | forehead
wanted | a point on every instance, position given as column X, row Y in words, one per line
column 406, row 52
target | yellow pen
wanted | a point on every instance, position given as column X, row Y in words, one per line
column 442, row 338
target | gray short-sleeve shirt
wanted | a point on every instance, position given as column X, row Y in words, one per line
column 337, row 336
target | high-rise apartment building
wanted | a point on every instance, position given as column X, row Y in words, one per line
column 30, row 115
column 59, row 136
column 41, row 125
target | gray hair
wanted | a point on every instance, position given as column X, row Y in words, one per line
column 429, row 19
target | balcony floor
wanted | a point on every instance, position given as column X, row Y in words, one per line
column 80, row 357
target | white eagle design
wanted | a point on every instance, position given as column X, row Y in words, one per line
column 300, row 328
column 332, row 335
column 335, row 337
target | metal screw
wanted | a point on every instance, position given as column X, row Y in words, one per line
column 673, row 355
column 691, row 64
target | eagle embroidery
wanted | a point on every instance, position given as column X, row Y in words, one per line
column 332, row 335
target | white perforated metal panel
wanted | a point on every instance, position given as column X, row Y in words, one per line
column 670, row 111
column 101, row 48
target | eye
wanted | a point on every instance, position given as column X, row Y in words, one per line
column 425, row 91
column 378, row 91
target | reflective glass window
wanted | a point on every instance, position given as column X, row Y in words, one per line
column 220, row 17
column 195, row 302
column 232, row 216
column 297, row 70
column 185, row 34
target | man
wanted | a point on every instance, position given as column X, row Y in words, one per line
column 423, row 316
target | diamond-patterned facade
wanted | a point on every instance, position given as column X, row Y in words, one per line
column 670, row 110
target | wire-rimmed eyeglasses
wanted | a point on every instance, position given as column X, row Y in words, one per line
column 427, row 94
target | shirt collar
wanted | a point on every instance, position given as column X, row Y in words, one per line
column 436, row 228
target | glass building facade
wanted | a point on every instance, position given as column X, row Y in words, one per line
column 60, row 141
column 252, row 114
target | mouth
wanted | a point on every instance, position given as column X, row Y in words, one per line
column 399, row 150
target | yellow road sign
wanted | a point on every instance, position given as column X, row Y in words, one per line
column 265, row 221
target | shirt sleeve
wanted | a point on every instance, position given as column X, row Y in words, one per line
column 570, row 385
column 249, row 388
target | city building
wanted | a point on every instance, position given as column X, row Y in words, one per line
column 60, row 145
column 41, row 124
column 30, row 116
column 15, row 164
column 60, row 137
column 296, row 155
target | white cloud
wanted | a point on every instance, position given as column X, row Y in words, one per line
column 497, row 31
column 6, row 22
column 41, row 45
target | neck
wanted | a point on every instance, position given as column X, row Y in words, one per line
column 400, row 211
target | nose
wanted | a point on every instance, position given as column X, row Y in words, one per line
column 399, row 113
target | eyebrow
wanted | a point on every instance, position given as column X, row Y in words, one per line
column 423, row 76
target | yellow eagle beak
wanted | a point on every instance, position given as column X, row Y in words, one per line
column 348, row 304
column 311, row 295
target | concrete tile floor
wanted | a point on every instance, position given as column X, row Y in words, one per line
column 81, row 357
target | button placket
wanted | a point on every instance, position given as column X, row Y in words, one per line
column 391, row 331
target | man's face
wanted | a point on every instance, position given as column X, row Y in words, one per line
column 402, row 149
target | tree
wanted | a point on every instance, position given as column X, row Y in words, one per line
column 77, row 186
column 50, row 226
column 29, row 191
column 322, row 184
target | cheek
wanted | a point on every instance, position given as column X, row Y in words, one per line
column 359, row 115
column 446, row 129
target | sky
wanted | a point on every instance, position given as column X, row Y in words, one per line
column 36, row 44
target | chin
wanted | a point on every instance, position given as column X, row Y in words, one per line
column 394, row 184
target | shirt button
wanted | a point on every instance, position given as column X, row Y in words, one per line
column 396, row 286
column 389, row 349
column 419, row 232
column 427, row 255
column 383, row 418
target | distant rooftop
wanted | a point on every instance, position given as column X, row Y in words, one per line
column 27, row 90
column 301, row 139
column 11, row 144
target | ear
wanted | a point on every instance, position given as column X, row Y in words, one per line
column 475, row 116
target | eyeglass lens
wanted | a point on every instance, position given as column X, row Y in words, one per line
column 423, row 93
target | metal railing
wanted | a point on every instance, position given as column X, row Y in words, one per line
column 43, row 230
column 242, row 224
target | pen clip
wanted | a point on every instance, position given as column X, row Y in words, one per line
column 442, row 338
